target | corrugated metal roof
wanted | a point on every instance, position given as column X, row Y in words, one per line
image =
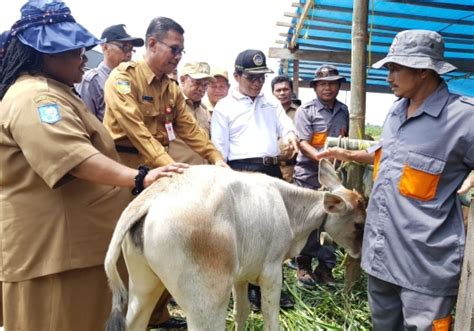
column 324, row 36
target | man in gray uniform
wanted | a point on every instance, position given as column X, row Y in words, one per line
column 118, row 48
column 315, row 121
column 414, row 234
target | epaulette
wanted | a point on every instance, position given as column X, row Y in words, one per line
column 468, row 100
column 125, row 65
column 90, row 74
column 307, row 104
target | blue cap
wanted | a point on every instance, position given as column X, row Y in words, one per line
column 48, row 27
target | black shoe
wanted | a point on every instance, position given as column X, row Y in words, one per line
column 172, row 323
column 286, row 301
column 255, row 299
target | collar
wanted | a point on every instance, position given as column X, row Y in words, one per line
column 239, row 96
column 103, row 67
column 433, row 104
column 191, row 103
column 321, row 106
column 148, row 73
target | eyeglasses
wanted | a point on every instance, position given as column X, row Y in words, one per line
column 124, row 48
column 175, row 50
column 254, row 77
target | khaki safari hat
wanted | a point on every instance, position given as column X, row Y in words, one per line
column 326, row 72
column 419, row 49
column 252, row 61
column 196, row 70
column 220, row 72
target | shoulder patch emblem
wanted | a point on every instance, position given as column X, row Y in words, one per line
column 123, row 87
column 49, row 113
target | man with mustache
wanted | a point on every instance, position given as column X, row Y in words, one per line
column 315, row 121
column 414, row 235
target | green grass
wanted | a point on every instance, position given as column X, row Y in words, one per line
column 321, row 309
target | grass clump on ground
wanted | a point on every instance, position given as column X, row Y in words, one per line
column 323, row 308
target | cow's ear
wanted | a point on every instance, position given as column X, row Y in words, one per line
column 333, row 203
column 328, row 176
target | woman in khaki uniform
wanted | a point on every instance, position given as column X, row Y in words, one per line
column 60, row 178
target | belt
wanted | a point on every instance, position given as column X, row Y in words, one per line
column 126, row 149
column 133, row 150
column 288, row 163
column 266, row 160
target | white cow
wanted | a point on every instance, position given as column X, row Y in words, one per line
column 211, row 230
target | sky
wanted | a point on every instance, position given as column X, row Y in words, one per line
column 215, row 32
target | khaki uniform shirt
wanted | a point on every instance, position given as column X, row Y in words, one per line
column 179, row 150
column 138, row 105
column 51, row 222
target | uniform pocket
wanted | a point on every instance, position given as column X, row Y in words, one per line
column 318, row 139
column 420, row 177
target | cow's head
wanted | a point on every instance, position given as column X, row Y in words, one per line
column 345, row 208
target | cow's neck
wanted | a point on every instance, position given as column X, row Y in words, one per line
column 304, row 207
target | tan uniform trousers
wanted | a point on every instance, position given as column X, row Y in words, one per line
column 72, row 300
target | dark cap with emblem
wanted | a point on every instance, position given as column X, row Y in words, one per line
column 118, row 32
column 252, row 61
column 326, row 72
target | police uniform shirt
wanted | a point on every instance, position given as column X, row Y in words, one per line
column 51, row 222
column 138, row 105
column 91, row 89
column 414, row 235
column 178, row 150
column 244, row 128
column 314, row 123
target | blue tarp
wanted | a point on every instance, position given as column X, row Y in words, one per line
column 327, row 27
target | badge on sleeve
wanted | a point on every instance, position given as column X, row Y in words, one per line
column 123, row 86
column 49, row 113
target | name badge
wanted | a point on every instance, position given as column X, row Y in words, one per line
column 170, row 131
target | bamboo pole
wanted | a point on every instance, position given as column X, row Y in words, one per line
column 357, row 110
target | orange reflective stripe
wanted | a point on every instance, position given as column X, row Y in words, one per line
column 443, row 324
column 418, row 184
column 377, row 157
column 318, row 139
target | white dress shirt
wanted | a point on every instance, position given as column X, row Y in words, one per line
column 243, row 128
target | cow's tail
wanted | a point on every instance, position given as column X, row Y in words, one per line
column 129, row 217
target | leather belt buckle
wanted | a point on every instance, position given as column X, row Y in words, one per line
column 270, row 160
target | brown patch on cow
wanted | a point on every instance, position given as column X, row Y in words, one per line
column 211, row 247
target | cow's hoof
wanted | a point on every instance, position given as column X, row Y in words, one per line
column 172, row 323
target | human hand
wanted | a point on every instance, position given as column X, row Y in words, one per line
column 466, row 185
column 166, row 171
column 222, row 163
column 334, row 153
column 293, row 141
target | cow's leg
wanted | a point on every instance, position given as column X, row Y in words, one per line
column 145, row 288
column 270, row 285
column 241, row 304
column 203, row 296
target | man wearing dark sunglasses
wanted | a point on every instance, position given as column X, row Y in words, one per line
column 246, row 126
column 118, row 48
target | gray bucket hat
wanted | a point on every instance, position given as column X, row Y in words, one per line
column 419, row 49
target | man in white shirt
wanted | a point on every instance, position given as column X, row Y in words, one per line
column 245, row 127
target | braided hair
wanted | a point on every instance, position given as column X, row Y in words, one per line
column 18, row 58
